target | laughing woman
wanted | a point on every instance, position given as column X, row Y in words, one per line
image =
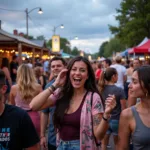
column 79, row 116
column 135, row 121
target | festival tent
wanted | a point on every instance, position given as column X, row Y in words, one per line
column 144, row 48
column 144, row 41
column 125, row 52
column 130, row 50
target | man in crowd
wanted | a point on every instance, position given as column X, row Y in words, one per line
column 17, row 131
column 13, row 69
column 106, row 63
column 56, row 65
column 121, row 70
column 136, row 63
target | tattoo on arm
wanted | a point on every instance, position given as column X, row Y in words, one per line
column 96, row 120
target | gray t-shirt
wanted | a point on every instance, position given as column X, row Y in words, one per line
column 119, row 94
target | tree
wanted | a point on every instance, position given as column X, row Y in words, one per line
column 75, row 51
column 41, row 37
column 134, row 22
column 101, row 49
column 113, row 46
column 30, row 37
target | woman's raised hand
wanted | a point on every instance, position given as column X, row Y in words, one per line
column 61, row 78
column 110, row 104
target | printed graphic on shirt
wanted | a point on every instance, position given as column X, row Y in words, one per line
column 4, row 138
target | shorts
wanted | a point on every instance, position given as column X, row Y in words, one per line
column 113, row 127
column 69, row 145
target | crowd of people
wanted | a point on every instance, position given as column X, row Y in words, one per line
column 75, row 104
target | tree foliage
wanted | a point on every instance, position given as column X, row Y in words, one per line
column 102, row 49
column 75, row 51
column 134, row 22
column 113, row 46
column 41, row 37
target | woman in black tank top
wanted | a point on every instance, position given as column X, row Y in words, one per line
column 135, row 121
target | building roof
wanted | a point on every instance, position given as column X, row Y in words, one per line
column 5, row 36
column 42, row 43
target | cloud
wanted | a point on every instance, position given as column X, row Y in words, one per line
column 87, row 19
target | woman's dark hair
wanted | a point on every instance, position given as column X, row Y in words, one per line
column 5, row 62
column 62, row 105
column 144, row 77
column 106, row 75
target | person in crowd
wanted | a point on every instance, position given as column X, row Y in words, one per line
column 107, row 86
column 40, row 77
column 135, row 121
column 94, row 65
column 136, row 63
column 56, row 65
column 133, row 100
column 129, row 73
column 121, row 70
column 147, row 62
column 29, row 63
column 24, row 91
column 106, row 63
column 13, row 69
column 77, row 105
column 98, row 71
column 17, row 131
column 46, row 66
column 5, row 68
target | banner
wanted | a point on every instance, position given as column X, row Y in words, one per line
column 55, row 43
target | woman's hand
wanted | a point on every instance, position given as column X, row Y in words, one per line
column 110, row 104
column 61, row 78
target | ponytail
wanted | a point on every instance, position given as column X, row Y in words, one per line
column 105, row 76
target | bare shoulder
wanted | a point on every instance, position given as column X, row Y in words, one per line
column 14, row 87
column 127, row 113
column 14, row 90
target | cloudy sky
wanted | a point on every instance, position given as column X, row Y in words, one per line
column 87, row 19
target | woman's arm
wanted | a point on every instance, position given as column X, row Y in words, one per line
column 100, row 126
column 12, row 95
column 42, row 100
column 7, row 74
column 41, row 80
column 100, row 122
column 124, row 130
column 45, row 99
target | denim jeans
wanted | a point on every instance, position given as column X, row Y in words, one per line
column 69, row 145
column 113, row 127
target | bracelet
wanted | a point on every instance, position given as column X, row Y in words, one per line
column 105, row 119
column 50, row 89
column 53, row 87
column 42, row 136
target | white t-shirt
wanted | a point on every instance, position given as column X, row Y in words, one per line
column 121, row 73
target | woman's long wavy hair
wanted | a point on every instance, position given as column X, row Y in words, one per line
column 62, row 104
column 26, row 82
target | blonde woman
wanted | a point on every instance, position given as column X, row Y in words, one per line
column 24, row 91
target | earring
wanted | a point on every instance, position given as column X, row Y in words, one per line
column 146, row 94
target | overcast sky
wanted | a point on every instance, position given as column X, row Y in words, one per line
column 87, row 19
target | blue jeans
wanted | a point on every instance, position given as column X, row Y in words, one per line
column 113, row 127
column 69, row 145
